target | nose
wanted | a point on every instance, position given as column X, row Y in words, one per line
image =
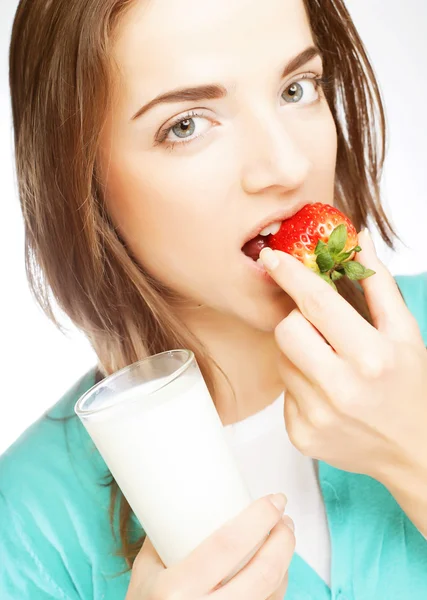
column 272, row 157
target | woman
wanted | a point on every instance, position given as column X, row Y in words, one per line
column 138, row 197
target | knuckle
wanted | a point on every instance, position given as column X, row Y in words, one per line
column 375, row 365
column 370, row 368
column 288, row 326
column 271, row 572
column 314, row 303
column 320, row 417
column 299, row 434
column 226, row 542
column 300, row 438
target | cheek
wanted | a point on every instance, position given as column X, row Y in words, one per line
column 327, row 141
column 320, row 144
column 166, row 223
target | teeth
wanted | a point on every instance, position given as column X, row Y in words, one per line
column 271, row 229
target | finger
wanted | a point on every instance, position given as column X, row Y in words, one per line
column 386, row 304
column 299, row 431
column 146, row 565
column 298, row 387
column 320, row 304
column 307, row 410
column 291, row 412
column 265, row 572
column 217, row 556
column 280, row 593
column 307, row 350
column 289, row 522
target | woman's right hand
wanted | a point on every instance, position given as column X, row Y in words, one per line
column 198, row 576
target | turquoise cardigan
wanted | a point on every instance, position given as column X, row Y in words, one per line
column 56, row 541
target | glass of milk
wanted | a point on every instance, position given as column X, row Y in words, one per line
column 157, row 428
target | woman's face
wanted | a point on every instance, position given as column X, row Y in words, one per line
column 256, row 146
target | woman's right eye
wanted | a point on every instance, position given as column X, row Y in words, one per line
column 183, row 128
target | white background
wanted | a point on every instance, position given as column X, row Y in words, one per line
column 38, row 364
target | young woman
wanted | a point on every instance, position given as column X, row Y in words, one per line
column 152, row 140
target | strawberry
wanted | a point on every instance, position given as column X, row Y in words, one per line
column 323, row 239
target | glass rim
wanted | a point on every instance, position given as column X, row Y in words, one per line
column 81, row 412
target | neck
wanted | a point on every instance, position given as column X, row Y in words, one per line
column 249, row 359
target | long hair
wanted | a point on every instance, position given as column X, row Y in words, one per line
column 61, row 88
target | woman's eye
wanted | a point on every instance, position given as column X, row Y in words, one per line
column 183, row 130
column 304, row 91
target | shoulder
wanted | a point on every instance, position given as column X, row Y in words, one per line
column 54, row 508
column 414, row 291
column 43, row 456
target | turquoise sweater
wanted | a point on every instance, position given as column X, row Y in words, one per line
column 56, row 541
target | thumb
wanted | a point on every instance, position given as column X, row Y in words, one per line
column 368, row 252
column 148, row 562
column 279, row 594
column 146, row 568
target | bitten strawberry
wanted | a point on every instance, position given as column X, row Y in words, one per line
column 324, row 240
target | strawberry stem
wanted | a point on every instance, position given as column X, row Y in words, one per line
column 334, row 263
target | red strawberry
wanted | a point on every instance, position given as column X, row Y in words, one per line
column 324, row 240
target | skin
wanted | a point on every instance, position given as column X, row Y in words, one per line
column 356, row 393
column 185, row 212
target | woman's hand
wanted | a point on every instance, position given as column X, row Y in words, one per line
column 201, row 573
column 360, row 403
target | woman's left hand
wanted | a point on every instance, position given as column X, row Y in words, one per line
column 360, row 403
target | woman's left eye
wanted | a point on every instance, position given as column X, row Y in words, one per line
column 303, row 91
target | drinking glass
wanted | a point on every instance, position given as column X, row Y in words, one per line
column 157, row 429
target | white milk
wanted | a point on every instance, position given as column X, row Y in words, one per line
column 169, row 455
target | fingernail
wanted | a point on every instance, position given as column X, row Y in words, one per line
column 269, row 258
column 288, row 521
column 279, row 501
column 368, row 239
column 368, row 236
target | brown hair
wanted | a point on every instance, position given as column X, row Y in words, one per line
column 61, row 86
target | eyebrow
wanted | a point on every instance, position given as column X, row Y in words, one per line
column 217, row 91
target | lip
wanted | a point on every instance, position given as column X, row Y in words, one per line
column 260, row 271
column 281, row 215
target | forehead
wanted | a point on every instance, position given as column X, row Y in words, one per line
column 168, row 43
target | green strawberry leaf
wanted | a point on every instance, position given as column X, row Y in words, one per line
column 324, row 261
column 328, row 280
column 321, row 247
column 345, row 255
column 337, row 240
column 356, row 271
column 367, row 273
column 342, row 257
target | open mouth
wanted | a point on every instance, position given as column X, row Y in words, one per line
column 253, row 247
